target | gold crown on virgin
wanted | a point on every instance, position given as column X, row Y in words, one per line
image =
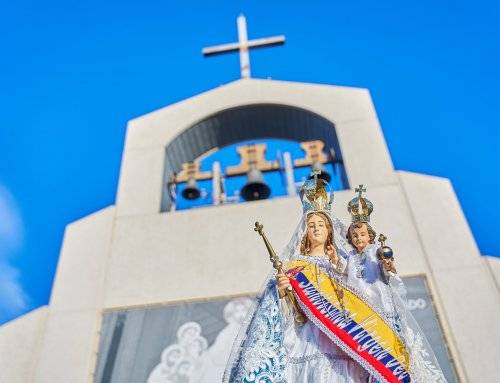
column 360, row 207
column 316, row 195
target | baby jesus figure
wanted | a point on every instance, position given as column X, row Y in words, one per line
column 360, row 235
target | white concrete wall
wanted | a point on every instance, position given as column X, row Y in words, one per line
column 467, row 295
column 81, row 270
column 20, row 342
column 350, row 109
column 494, row 266
column 69, row 346
column 215, row 252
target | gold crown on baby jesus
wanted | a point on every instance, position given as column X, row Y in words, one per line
column 316, row 195
column 360, row 207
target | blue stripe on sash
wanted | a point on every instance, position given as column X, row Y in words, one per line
column 352, row 328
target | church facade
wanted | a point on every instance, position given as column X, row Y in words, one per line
column 120, row 264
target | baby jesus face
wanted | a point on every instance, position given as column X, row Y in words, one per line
column 360, row 237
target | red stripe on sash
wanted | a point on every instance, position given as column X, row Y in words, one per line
column 344, row 336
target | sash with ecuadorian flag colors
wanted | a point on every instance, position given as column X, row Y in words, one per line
column 363, row 334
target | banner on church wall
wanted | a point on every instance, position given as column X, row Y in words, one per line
column 164, row 344
column 191, row 341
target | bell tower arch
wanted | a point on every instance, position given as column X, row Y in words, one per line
column 251, row 123
column 248, row 111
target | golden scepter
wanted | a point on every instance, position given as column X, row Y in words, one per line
column 278, row 266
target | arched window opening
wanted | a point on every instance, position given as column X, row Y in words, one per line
column 249, row 153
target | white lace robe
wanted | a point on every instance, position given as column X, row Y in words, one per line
column 312, row 357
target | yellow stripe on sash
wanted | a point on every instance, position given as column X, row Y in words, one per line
column 359, row 311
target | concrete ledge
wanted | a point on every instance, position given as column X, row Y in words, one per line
column 471, row 305
column 493, row 264
column 81, row 270
column 69, row 347
column 447, row 239
column 20, row 343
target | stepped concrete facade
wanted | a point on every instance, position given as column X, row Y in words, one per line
column 136, row 253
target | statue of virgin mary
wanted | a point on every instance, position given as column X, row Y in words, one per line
column 346, row 321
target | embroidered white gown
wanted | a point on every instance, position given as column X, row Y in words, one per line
column 312, row 356
column 271, row 348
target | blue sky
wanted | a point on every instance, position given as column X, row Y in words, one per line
column 73, row 73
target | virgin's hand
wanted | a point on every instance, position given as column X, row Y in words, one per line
column 332, row 253
column 283, row 284
column 389, row 265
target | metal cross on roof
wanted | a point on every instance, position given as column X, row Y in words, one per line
column 243, row 45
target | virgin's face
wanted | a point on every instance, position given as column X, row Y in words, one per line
column 317, row 231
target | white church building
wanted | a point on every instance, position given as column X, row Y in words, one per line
column 138, row 278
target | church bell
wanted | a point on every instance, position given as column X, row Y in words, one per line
column 191, row 191
column 317, row 167
column 255, row 188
